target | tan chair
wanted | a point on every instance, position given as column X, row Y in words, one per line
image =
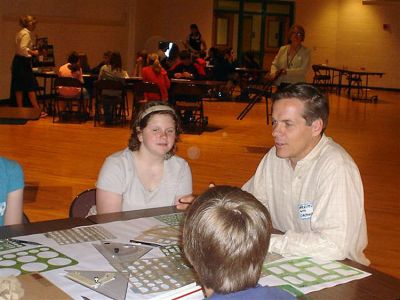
column 322, row 77
column 70, row 102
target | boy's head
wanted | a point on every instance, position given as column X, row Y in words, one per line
column 226, row 237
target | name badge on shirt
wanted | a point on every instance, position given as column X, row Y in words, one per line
column 306, row 210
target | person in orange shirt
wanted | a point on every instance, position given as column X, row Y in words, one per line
column 155, row 73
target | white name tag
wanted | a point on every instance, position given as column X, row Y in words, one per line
column 306, row 210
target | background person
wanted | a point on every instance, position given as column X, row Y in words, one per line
column 293, row 60
column 155, row 73
column 113, row 70
column 105, row 61
column 225, row 237
column 147, row 174
column 184, row 68
column 194, row 41
column 23, row 80
column 11, row 192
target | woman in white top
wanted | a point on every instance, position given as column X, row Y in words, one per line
column 23, row 79
column 292, row 61
column 147, row 174
column 113, row 70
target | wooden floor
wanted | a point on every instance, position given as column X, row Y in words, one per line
column 60, row 160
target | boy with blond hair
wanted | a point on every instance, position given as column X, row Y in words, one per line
column 226, row 237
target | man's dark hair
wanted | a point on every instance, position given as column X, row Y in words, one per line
column 316, row 105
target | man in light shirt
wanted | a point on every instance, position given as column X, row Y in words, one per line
column 310, row 184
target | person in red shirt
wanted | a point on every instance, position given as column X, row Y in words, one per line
column 154, row 72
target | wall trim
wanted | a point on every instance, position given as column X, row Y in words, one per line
column 122, row 22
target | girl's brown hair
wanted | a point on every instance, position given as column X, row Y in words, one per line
column 142, row 118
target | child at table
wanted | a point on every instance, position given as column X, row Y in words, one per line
column 147, row 174
column 11, row 192
column 225, row 237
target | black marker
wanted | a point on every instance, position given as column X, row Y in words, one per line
column 144, row 243
column 25, row 242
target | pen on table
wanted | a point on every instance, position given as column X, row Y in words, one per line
column 144, row 243
column 24, row 242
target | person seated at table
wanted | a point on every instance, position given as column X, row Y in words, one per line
column 105, row 61
column 155, row 73
column 140, row 63
column 200, row 63
column 184, row 68
column 212, row 54
column 249, row 61
column 293, row 60
column 224, row 65
column 194, row 41
column 112, row 71
column 310, row 184
column 147, row 174
column 11, row 192
column 226, row 235
column 248, row 76
column 84, row 63
column 72, row 69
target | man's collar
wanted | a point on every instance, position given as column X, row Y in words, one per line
column 315, row 152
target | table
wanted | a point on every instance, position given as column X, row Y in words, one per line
column 18, row 115
column 41, row 227
column 203, row 83
column 356, row 74
column 377, row 286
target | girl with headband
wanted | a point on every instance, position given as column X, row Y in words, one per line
column 147, row 174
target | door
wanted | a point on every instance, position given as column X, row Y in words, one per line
column 223, row 30
column 276, row 35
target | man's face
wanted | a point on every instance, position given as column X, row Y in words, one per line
column 294, row 139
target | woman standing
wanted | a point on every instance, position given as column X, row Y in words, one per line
column 23, row 80
column 194, row 41
column 292, row 61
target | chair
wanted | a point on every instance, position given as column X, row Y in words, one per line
column 256, row 93
column 188, row 100
column 110, row 100
column 354, row 82
column 82, row 204
column 71, row 102
column 322, row 77
column 140, row 90
column 25, row 219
